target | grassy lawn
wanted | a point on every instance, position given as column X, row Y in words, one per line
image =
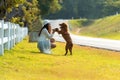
column 25, row 62
column 107, row 27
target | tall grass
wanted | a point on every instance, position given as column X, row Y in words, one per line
column 108, row 27
column 25, row 62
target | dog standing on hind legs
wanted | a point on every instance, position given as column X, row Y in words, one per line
column 66, row 35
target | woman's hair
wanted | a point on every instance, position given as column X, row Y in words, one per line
column 45, row 26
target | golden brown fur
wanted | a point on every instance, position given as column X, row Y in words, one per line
column 65, row 34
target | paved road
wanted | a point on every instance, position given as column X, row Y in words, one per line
column 88, row 41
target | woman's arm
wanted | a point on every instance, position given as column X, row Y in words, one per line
column 47, row 34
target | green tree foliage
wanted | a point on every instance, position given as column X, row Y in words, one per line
column 7, row 5
column 27, row 12
column 49, row 6
column 111, row 7
column 23, row 12
column 86, row 9
column 31, row 12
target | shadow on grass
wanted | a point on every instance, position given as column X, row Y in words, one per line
column 52, row 54
column 57, row 55
column 36, row 52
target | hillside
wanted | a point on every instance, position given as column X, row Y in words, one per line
column 107, row 27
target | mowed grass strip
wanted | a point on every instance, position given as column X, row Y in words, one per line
column 107, row 27
column 25, row 62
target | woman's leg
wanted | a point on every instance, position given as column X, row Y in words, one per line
column 40, row 46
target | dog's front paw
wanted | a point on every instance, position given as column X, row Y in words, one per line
column 56, row 29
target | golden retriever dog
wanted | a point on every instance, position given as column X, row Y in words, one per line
column 66, row 35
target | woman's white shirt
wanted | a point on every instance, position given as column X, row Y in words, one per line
column 44, row 35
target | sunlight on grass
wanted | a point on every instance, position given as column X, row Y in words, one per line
column 108, row 27
column 25, row 62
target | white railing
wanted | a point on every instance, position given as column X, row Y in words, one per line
column 10, row 34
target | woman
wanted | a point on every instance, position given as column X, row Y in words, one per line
column 44, row 36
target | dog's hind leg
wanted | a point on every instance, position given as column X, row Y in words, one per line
column 70, row 49
column 66, row 49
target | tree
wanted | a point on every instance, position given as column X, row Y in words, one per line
column 23, row 12
column 26, row 12
column 111, row 7
column 7, row 5
column 31, row 12
column 48, row 6
column 86, row 9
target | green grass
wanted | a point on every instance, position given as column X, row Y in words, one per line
column 25, row 62
column 108, row 27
